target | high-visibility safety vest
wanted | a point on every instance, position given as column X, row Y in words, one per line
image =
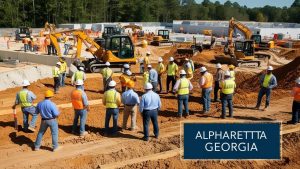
column 160, row 68
column 111, row 98
column 106, row 72
column 48, row 41
column 232, row 74
column 228, row 86
column 23, row 99
column 296, row 92
column 63, row 67
column 267, row 79
column 55, row 71
column 208, row 80
column 79, row 75
column 172, row 68
column 192, row 65
column 183, row 88
column 146, row 60
column 76, row 98
column 146, row 77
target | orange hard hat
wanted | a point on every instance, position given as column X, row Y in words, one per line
column 49, row 93
column 130, row 84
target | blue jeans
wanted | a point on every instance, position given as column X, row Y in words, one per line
column 26, row 47
column 62, row 79
column 296, row 112
column 159, row 83
column 206, row 99
column 227, row 99
column 264, row 91
column 154, row 84
column 67, row 46
column 43, row 128
column 82, row 114
column 26, row 111
column 111, row 112
column 147, row 115
column 183, row 100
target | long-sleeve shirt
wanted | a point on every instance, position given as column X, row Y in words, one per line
column 219, row 75
column 272, row 82
column 153, row 76
column 130, row 97
column 150, row 101
column 30, row 97
column 83, row 96
column 176, row 86
column 203, row 81
column 47, row 109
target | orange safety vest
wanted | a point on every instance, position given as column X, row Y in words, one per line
column 208, row 80
column 47, row 41
column 76, row 98
column 296, row 92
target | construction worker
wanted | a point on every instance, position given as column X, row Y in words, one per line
column 48, row 44
column 125, row 77
column 81, row 107
column 218, row 79
column 149, row 107
column 153, row 77
column 56, row 76
column 146, row 76
column 188, row 68
column 78, row 75
column 172, row 70
column 131, row 100
column 206, row 82
column 146, row 59
column 296, row 103
column 112, row 101
column 160, row 70
column 25, row 98
column 67, row 44
column 49, row 113
column 26, row 43
column 232, row 72
column 107, row 75
column 63, row 70
column 267, row 83
column 227, row 89
column 183, row 87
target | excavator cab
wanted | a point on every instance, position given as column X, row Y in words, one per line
column 121, row 46
column 163, row 33
column 110, row 31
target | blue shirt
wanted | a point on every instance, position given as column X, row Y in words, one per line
column 150, row 101
column 272, row 83
column 30, row 96
column 153, row 76
column 83, row 96
column 130, row 97
column 47, row 109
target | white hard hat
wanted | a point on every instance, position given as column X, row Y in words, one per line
column 186, row 58
column 218, row 66
column 81, row 68
column 171, row 59
column 25, row 83
column 107, row 63
column 126, row 66
column 227, row 73
column 112, row 83
column 148, row 86
column 149, row 66
column 79, row 82
column 298, row 80
column 270, row 68
column 58, row 63
column 148, row 53
column 203, row 69
column 160, row 59
column 182, row 72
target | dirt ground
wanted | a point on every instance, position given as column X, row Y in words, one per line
column 126, row 149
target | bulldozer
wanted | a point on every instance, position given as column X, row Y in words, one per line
column 116, row 49
column 162, row 38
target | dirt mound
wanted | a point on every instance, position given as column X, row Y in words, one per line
column 287, row 53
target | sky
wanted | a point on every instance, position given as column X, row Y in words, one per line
column 258, row 3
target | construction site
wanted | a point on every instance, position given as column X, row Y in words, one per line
column 92, row 45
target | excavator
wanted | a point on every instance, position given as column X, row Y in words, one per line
column 116, row 49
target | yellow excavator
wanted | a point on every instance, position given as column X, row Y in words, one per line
column 116, row 49
column 162, row 38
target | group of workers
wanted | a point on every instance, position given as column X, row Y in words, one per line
column 223, row 83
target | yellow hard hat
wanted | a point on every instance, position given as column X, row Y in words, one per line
column 49, row 93
column 231, row 67
column 130, row 84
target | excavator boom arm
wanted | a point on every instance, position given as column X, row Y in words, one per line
column 238, row 25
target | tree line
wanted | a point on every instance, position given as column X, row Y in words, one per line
column 34, row 13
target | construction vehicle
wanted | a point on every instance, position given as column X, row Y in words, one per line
column 112, row 30
column 187, row 51
column 162, row 38
column 116, row 49
column 208, row 39
column 22, row 32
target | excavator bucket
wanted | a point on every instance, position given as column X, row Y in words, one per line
column 226, row 59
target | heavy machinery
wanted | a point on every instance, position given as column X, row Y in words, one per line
column 187, row 51
column 22, row 32
column 208, row 39
column 112, row 30
column 116, row 49
column 162, row 38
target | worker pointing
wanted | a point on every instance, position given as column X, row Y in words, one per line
column 56, row 76
column 160, row 70
column 183, row 86
column 296, row 103
column 25, row 98
column 227, row 89
column 206, row 81
column 81, row 107
column 267, row 83
column 172, row 70
column 79, row 75
column 107, row 75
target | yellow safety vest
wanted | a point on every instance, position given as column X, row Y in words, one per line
column 111, row 99
column 146, row 77
column 55, row 71
column 228, row 86
column 160, row 68
column 146, row 61
column 79, row 75
column 183, row 88
column 63, row 67
column 232, row 75
column 267, row 80
column 23, row 99
column 172, row 69
column 106, row 72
